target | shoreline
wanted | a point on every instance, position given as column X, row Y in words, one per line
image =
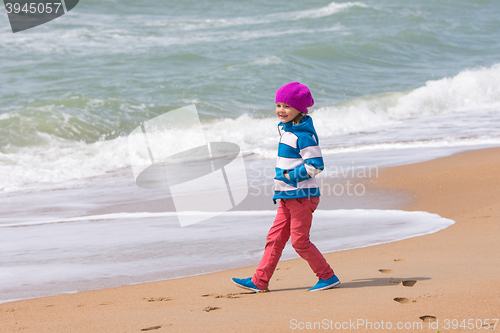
column 344, row 219
column 461, row 187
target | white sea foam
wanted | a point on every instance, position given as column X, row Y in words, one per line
column 441, row 143
column 116, row 249
column 207, row 23
column 60, row 160
column 331, row 9
column 110, row 35
column 470, row 102
column 451, row 142
column 273, row 60
column 470, row 90
column 6, row 115
column 124, row 43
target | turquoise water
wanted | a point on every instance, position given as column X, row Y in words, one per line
column 106, row 66
column 394, row 82
column 89, row 78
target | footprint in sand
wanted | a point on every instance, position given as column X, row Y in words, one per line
column 402, row 300
column 406, row 283
column 428, row 319
column 158, row 299
column 211, row 308
column 221, row 296
column 282, row 268
column 409, row 283
column 399, row 260
column 151, row 328
column 385, row 271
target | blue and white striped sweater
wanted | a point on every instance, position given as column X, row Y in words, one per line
column 298, row 154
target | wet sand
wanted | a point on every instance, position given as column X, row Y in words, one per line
column 422, row 283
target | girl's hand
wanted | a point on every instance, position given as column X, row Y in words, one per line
column 287, row 176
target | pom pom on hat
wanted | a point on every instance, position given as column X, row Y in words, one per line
column 296, row 95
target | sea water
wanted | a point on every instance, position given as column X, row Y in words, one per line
column 393, row 83
column 116, row 249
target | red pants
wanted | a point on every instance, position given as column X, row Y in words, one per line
column 294, row 217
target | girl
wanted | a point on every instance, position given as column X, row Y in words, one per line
column 299, row 161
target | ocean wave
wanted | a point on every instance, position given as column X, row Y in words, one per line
column 53, row 155
column 60, row 160
column 78, row 117
column 331, row 9
column 201, row 24
column 112, row 41
column 470, row 89
column 468, row 92
column 111, row 34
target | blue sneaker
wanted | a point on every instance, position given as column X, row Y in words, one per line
column 326, row 284
column 246, row 284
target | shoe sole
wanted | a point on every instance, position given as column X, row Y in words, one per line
column 326, row 287
column 247, row 288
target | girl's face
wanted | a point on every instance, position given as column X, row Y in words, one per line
column 285, row 112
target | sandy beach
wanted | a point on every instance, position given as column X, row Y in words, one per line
column 446, row 281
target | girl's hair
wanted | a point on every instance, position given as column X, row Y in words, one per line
column 297, row 119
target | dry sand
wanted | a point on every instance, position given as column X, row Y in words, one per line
column 452, row 274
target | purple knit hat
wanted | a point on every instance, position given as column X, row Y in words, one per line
column 296, row 95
